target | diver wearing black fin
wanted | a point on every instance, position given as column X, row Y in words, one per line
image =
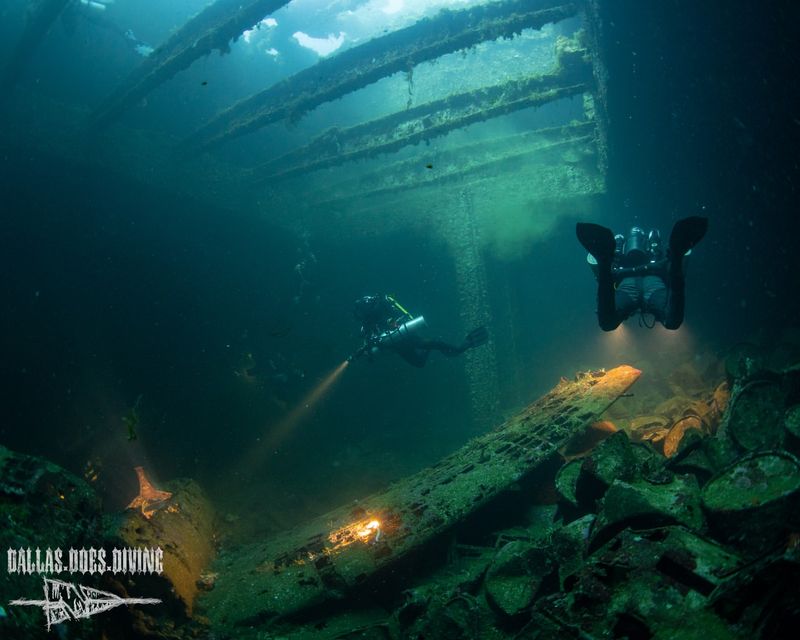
column 633, row 273
column 387, row 326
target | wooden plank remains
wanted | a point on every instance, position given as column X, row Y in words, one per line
column 328, row 557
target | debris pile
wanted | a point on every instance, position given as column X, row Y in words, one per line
column 646, row 538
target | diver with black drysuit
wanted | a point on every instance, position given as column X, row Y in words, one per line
column 635, row 274
column 387, row 326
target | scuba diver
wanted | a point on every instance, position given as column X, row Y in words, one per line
column 636, row 274
column 387, row 326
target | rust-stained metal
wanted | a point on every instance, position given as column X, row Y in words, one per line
column 401, row 50
column 213, row 28
column 341, row 550
column 572, row 76
column 183, row 530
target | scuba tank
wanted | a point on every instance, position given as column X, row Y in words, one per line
column 401, row 333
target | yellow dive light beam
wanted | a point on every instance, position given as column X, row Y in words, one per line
column 278, row 434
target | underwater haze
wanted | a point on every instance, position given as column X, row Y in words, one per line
column 181, row 261
column 116, row 289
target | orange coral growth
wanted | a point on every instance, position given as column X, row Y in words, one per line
column 149, row 499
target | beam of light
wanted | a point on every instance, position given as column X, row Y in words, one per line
column 281, row 431
column 614, row 346
column 652, row 350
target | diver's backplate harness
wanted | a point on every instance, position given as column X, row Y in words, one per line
column 385, row 323
column 638, row 255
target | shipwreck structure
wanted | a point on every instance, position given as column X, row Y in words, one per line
column 343, row 550
column 455, row 150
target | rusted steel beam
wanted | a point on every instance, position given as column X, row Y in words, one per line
column 540, row 153
column 424, row 122
column 40, row 16
column 213, row 28
column 401, row 50
column 335, row 553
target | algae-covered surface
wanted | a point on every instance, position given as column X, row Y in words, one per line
column 754, row 481
column 336, row 552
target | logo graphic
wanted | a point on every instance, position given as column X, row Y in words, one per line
column 64, row 601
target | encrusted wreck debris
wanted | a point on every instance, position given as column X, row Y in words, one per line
column 213, row 28
column 703, row 543
column 40, row 16
column 401, row 50
column 183, row 529
column 571, row 76
column 342, row 550
column 626, row 543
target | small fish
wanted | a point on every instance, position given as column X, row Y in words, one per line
column 204, row 83
column 429, row 166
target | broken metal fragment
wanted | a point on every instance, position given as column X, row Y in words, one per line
column 752, row 504
column 755, row 421
column 516, row 576
column 642, row 505
column 569, row 545
column 612, row 459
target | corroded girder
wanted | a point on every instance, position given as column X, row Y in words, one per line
column 213, row 28
column 40, row 16
column 341, row 550
column 572, row 76
column 401, row 50
column 542, row 148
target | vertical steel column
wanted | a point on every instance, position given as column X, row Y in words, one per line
column 462, row 231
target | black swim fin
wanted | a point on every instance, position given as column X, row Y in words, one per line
column 475, row 338
column 686, row 234
column 597, row 240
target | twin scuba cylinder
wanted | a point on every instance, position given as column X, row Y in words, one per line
column 638, row 251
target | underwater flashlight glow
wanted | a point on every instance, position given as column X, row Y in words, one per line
column 278, row 434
